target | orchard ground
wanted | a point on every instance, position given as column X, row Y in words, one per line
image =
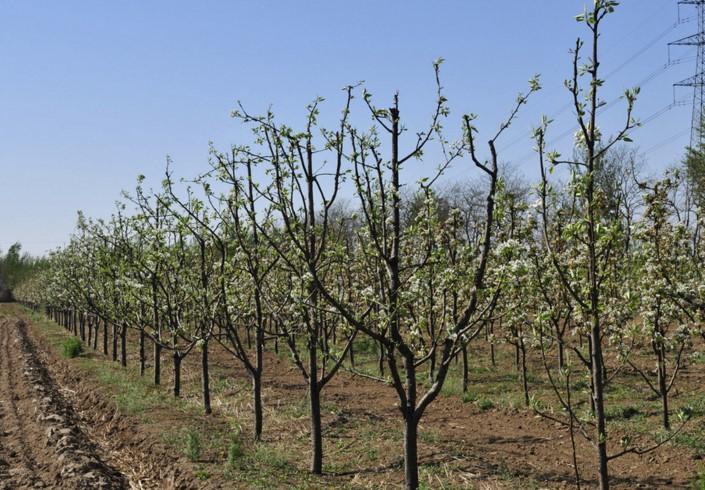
column 139, row 436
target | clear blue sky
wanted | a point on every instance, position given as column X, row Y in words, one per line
column 93, row 93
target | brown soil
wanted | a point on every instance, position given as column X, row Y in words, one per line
column 41, row 443
column 58, row 431
column 466, row 447
column 487, row 449
column 475, row 446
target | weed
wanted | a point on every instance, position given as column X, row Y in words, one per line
column 698, row 483
column 485, row 404
column 269, row 456
column 469, row 397
column 685, row 413
column 234, row 453
column 297, row 409
column 624, row 413
column 505, row 473
column 429, row 436
column 629, row 412
column 192, row 448
column 132, row 394
column 202, row 475
column 580, row 385
column 72, row 347
column 692, row 440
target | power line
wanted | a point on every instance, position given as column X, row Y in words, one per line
column 668, row 140
column 642, row 123
column 660, row 113
column 697, row 81
column 644, row 81
column 620, row 67
column 642, row 50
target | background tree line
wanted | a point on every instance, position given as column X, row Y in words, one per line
column 16, row 267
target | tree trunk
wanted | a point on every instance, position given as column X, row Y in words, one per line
column 142, row 356
column 115, row 343
column 411, row 465
column 105, row 337
column 432, row 368
column 257, row 399
column 465, row 369
column 277, row 330
column 598, row 398
column 205, row 386
column 257, row 375
column 157, row 363
column 525, row 382
column 316, row 430
column 663, row 388
column 177, row 374
column 315, row 399
column 123, row 346
column 596, row 360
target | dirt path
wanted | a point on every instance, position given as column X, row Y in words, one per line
column 41, row 444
